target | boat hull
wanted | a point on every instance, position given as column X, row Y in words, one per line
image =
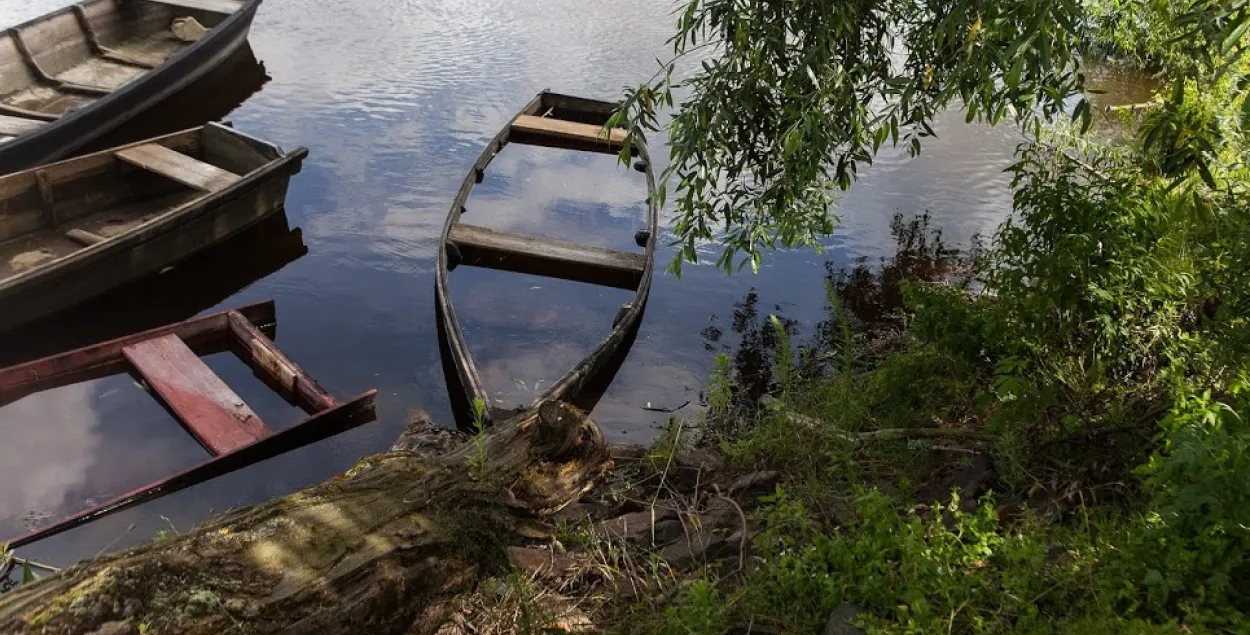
column 76, row 131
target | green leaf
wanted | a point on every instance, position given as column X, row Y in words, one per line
column 1235, row 37
column 1205, row 172
column 792, row 141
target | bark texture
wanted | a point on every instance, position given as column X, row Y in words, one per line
column 381, row 549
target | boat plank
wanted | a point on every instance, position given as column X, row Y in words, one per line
column 179, row 167
column 212, row 6
column 560, row 129
column 209, row 409
column 260, row 353
column 485, row 247
column 14, row 126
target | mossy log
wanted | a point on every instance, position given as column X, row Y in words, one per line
column 383, row 548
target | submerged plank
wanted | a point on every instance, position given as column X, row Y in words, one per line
column 179, row 167
column 559, row 129
column 484, row 247
column 213, row 6
column 213, row 413
column 14, row 126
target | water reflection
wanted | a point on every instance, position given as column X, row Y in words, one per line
column 32, row 487
column 72, row 447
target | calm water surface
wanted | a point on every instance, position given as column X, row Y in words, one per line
column 395, row 100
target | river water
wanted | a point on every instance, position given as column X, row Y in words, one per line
column 395, row 99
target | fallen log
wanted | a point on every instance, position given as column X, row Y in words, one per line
column 382, row 549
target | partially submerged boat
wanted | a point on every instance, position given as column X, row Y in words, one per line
column 75, row 229
column 73, row 75
column 558, row 121
column 168, row 360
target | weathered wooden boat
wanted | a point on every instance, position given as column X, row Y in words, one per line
column 75, row 229
column 179, row 293
column 559, row 121
column 168, row 360
column 75, row 74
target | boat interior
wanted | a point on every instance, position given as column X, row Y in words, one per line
column 70, row 58
column 51, row 212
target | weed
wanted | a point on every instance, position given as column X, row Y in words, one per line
column 477, row 461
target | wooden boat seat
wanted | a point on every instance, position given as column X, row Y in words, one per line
column 178, row 166
column 556, row 130
column 212, row 6
column 203, row 403
column 484, row 247
column 14, row 126
column 84, row 237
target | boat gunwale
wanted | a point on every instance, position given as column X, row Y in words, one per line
column 247, row 11
column 576, row 377
column 162, row 224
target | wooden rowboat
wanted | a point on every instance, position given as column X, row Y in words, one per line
column 559, row 121
column 75, row 229
column 167, row 359
column 75, row 74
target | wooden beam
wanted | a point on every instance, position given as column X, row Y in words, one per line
column 484, row 247
column 558, row 132
column 203, row 403
column 212, row 6
column 179, row 167
column 27, row 114
column 14, row 126
column 48, row 196
column 204, row 335
column 351, row 414
column 260, row 353
column 84, row 237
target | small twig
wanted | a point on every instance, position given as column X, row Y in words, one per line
column 110, row 545
column 35, row 565
column 665, row 410
column 947, row 448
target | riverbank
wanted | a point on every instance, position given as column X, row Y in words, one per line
column 866, row 479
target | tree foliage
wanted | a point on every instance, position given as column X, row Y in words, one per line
column 790, row 98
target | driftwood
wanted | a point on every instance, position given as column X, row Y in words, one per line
column 384, row 548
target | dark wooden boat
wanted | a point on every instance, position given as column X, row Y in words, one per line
column 75, row 229
column 559, row 121
column 167, row 359
column 75, row 74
